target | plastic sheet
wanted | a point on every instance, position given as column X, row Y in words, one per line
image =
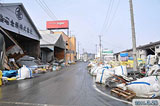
column 10, row 73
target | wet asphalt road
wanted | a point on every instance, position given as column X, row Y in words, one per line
column 72, row 86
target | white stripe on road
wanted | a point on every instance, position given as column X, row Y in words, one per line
column 110, row 95
column 29, row 104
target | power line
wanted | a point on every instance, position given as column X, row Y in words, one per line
column 113, row 15
column 41, row 4
column 109, row 14
column 44, row 6
column 43, row 9
column 111, row 44
column 106, row 16
column 49, row 9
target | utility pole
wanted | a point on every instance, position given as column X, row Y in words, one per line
column 83, row 54
column 83, row 50
column 100, row 46
column 70, row 33
column 135, row 68
column 96, row 51
column 78, row 51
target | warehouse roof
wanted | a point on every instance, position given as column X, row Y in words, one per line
column 25, row 12
column 52, row 40
column 146, row 46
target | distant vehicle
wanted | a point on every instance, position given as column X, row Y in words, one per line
column 85, row 60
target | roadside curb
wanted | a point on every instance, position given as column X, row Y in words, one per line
column 112, row 97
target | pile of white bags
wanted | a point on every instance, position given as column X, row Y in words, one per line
column 151, row 59
column 154, row 70
column 106, row 72
column 146, row 87
column 93, row 69
column 24, row 72
column 103, row 74
column 94, row 72
column 121, row 70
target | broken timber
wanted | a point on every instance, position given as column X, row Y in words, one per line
column 127, row 94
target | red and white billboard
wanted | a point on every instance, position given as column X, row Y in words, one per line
column 62, row 24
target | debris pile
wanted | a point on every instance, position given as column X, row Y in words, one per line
column 127, row 83
column 18, row 66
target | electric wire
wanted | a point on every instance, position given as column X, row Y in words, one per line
column 113, row 17
column 49, row 9
column 109, row 15
column 106, row 17
column 41, row 4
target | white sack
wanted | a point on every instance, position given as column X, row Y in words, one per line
column 151, row 59
column 103, row 74
column 96, row 70
column 24, row 72
column 121, row 70
column 146, row 87
column 93, row 69
column 153, row 70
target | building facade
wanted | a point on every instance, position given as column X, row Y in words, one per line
column 18, row 29
column 70, row 45
column 52, row 46
column 143, row 51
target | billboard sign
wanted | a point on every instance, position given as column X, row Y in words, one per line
column 61, row 24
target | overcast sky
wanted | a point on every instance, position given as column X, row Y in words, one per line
column 87, row 20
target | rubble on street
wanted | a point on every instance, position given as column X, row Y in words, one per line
column 126, row 83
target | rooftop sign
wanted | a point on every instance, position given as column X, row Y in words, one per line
column 62, row 24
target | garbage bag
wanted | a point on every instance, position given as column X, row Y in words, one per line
column 24, row 73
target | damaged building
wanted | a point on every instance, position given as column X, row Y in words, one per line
column 18, row 34
column 70, row 41
column 52, row 46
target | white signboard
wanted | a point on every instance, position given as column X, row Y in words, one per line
column 14, row 19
